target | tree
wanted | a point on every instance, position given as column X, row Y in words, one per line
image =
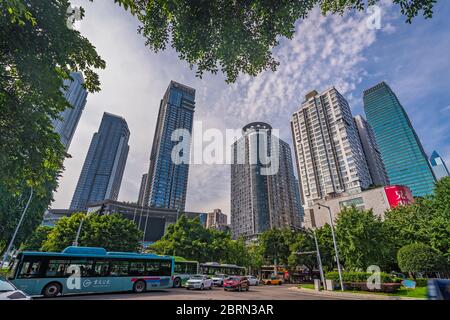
column 275, row 245
column 236, row 36
column 37, row 52
column 419, row 257
column 326, row 247
column 303, row 251
column 112, row 232
column 360, row 238
column 37, row 239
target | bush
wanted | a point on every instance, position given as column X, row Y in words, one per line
column 419, row 257
column 3, row 272
column 354, row 276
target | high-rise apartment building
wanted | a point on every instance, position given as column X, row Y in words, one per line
column 103, row 168
column 403, row 156
column 328, row 150
column 167, row 181
column 76, row 95
column 371, row 152
column 438, row 165
column 142, row 189
column 262, row 192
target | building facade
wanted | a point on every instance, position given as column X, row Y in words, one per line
column 76, row 95
column 379, row 200
column 328, row 150
column 438, row 165
column 403, row 155
column 142, row 189
column 216, row 219
column 167, row 181
column 371, row 152
column 262, row 198
column 103, row 168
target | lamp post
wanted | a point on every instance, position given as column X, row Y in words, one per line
column 75, row 243
column 319, row 260
column 11, row 243
column 335, row 245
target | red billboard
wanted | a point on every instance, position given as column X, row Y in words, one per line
column 398, row 195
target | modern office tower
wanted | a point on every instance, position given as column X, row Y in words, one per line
column 371, row 152
column 329, row 154
column 262, row 192
column 216, row 219
column 403, row 156
column 298, row 198
column 167, row 181
column 103, row 168
column 142, row 189
column 68, row 119
column 438, row 165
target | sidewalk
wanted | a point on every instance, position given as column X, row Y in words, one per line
column 350, row 295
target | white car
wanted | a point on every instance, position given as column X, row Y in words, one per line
column 9, row 292
column 199, row 282
column 218, row 279
column 254, row 281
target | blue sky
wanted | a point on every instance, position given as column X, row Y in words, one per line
column 325, row 51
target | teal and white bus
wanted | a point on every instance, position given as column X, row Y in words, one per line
column 183, row 270
column 90, row 270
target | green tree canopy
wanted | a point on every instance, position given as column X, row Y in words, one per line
column 419, row 257
column 37, row 239
column 300, row 251
column 112, row 232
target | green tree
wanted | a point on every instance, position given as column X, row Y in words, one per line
column 419, row 257
column 236, row 36
column 303, row 251
column 326, row 247
column 37, row 52
column 37, row 239
column 112, row 232
column 275, row 245
column 361, row 240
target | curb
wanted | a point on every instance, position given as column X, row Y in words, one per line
column 365, row 296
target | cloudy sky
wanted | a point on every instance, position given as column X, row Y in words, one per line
column 325, row 51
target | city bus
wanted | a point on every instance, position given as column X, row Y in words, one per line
column 89, row 270
column 214, row 268
column 183, row 270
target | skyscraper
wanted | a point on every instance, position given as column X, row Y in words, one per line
column 438, row 165
column 68, row 120
column 103, row 168
column 167, row 181
column 262, row 199
column 329, row 154
column 371, row 152
column 142, row 189
column 404, row 158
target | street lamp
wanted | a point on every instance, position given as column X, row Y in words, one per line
column 5, row 256
column 335, row 245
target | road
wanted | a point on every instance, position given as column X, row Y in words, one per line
column 283, row 292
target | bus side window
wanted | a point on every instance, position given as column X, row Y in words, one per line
column 119, row 268
column 137, row 268
column 101, row 268
column 152, row 268
column 56, row 268
column 30, row 269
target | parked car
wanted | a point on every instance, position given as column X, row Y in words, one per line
column 218, row 279
column 254, row 281
column 199, row 282
column 438, row 289
column 273, row 280
column 236, row 283
column 9, row 292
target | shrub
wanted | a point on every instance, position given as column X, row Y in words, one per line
column 419, row 257
column 354, row 276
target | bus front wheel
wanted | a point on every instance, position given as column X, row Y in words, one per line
column 139, row 286
column 51, row 290
column 177, row 283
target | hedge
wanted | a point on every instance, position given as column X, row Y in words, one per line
column 355, row 276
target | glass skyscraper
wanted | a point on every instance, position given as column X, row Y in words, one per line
column 438, row 165
column 167, row 181
column 103, row 168
column 403, row 156
column 68, row 120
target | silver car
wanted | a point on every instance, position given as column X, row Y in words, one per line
column 9, row 292
column 199, row 282
column 254, row 281
column 218, row 279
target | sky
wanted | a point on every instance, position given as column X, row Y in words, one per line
column 339, row 51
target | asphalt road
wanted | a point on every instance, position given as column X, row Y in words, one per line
column 283, row 292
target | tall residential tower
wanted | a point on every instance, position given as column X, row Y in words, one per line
column 404, row 158
column 67, row 122
column 103, row 168
column 167, row 181
column 262, row 198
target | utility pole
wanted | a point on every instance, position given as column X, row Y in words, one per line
column 319, row 260
column 335, row 245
